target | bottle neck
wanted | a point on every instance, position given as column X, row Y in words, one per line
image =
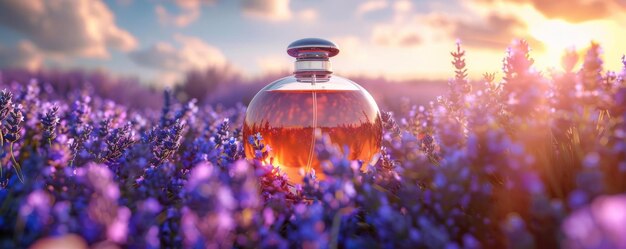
column 313, row 64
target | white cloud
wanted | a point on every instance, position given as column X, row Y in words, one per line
column 268, row 10
column 198, row 54
column 191, row 54
column 190, row 11
column 271, row 10
column 190, row 4
column 186, row 17
column 413, row 30
column 371, row 6
column 24, row 55
column 84, row 28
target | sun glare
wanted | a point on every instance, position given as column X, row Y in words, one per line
column 558, row 35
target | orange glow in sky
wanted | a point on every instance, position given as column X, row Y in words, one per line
column 396, row 39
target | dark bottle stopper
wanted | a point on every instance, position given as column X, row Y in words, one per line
column 312, row 57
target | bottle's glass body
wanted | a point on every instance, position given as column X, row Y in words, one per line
column 292, row 112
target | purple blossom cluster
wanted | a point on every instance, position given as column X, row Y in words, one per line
column 531, row 161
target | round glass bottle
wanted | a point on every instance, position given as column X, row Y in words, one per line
column 291, row 112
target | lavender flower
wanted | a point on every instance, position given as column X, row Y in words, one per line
column 79, row 128
column 50, row 121
column 592, row 68
column 13, row 134
column 166, row 141
column 521, row 97
column 14, row 130
column 210, row 204
column 117, row 143
column 598, row 225
column 166, row 112
column 261, row 151
column 459, row 86
column 6, row 103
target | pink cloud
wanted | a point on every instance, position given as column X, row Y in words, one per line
column 271, row 10
column 186, row 17
column 493, row 31
column 84, row 28
column 190, row 11
column 173, row 61
column 371, row 6
column 190, row 4
column 573, row 10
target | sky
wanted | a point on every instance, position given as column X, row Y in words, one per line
column 158, row 41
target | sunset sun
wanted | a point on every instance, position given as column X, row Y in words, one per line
column 558, row 35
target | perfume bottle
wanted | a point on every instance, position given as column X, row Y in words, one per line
column 290, row 113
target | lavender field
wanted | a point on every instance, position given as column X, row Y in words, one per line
column 529, row 161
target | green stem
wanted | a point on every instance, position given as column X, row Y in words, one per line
column 16, row 165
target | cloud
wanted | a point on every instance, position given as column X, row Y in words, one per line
column 24, row 55
column 172, row 62
column 416, row 43
column 186, row 17
column 572, row 10
column 67, row 27
column 371, row 6
column 189, row 12
column 268, row 10
column 493, row 31
column 477, row 28
column 192, row 53
column 191, row 4
column 408, row 28
column 271, row 10
column 411, row 30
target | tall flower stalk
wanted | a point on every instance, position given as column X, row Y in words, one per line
column 13, row 134
column 50, row 121
column 6, row 103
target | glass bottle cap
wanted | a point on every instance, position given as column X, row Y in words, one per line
column 299, row 47
column 312, row 57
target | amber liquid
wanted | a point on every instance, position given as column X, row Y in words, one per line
column 289, row 121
